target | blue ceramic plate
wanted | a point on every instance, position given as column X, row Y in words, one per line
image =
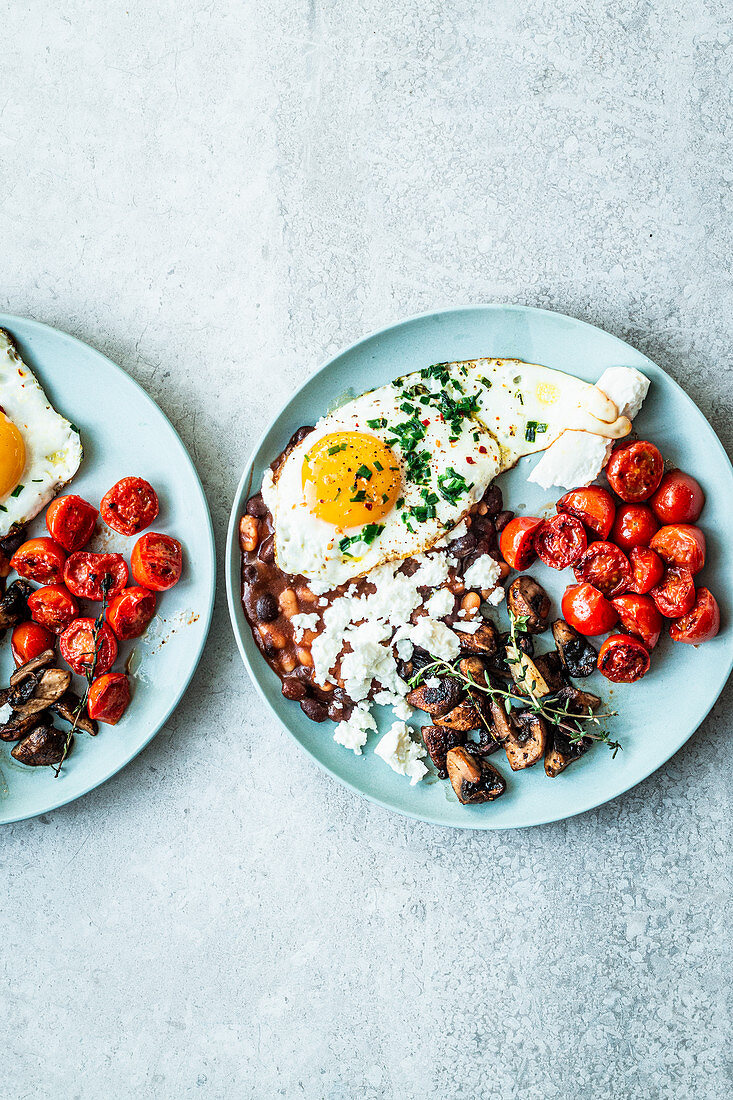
column 123, row 432
column 657, row 715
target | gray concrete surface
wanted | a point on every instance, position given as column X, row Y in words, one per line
column 217, row 195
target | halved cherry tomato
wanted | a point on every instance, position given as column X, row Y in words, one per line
column 39, row 560
column 78, row 648
column 129, row 613
column 70, row 522
column 605, row 567
column 517, row 541
column 679, row 498
column 53, row 606
column 85, row 572
column 623, row 659
column 647, row 569
column 587, row 609
column 635, row 525
column 634, row 471
column 560, row 541
column 130, row 506
column 157, row 561
column 108, row 698
column 593, row 506
column 701, row 623
column 640, row 616
column 28, row 640
column 675, row 593
column 681, row 544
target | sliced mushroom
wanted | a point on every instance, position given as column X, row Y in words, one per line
column 501, row 726
column 15, row 537
column 561, row 751
column 551, row 669
column 14, row 604
column 22, row 692
column 44, row 746
column 527, row 741
column 526, row 674
column 18, row 726
column 438, row 741
column 578, row 656
column 528, row 600
column 30, row 668
column 485, row 640
column 68, row 708
column 472, row 779
column 53, row 683
column 436, row 699
column 582, row 702
column 465, row 717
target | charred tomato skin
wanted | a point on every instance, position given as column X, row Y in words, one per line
column 157, row 561
column 70, row 521
column 647, row 569
column 675, row 593
column 109, row 696
column 84, row 573
column 623, row 659
column 53, row 607
column 28, row 640
column 130, row 612
column 605, row 567
column 130, row 506
column 593, row 506
column 679, row 498
column 517, row 541
column 77, row 647
column 587, row 610
column 640, row 616
column 635, row 525
column 681, row 544
column 39, row 560
column 701, row 623
column 635, row 470
column 560, row 541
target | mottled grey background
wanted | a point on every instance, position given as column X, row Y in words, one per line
column 218, row 195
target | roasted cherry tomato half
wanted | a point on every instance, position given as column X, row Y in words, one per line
column 130, row 506
column 635, row 525
column 587, row 609
column 77, row 647
column 634, row 471
column 623, row 659
column 85, row 572
column 679, row 498
column 28, row 640
column 70, row 522
column 39, row 560
column 593, row 506
column 701, row 623
column 680, row 544
column 108, row 697
column 157, row 561
column 517, row 541
column 53, row 606
column 640, row 616
column 647, row 569
column 675, row 593
column 130, row 612
column 605, row 567
column 560, row 541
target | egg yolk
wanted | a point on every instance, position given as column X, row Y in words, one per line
column 12, row 456
column 350, row 479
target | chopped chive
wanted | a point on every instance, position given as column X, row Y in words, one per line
column 17, row 490
column 364, row 472
column 378, row 466
column 359, row 497
column 335, row 450
column 380, row 422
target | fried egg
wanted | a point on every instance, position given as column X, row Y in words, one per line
column 39, row 449
column 387, row 475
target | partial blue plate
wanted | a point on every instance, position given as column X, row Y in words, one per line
column 657, row 715
column 123, row 432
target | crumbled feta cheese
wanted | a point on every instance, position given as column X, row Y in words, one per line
column 434, row 636
column 440, row 604
column 469, row 628
column 495, row 597
column 432, row 572
column 323, row 602
column 303, row 622
column 404, row 648
column 483, row 573
column 5, row 711
column 402, row 753
column 352, row 733
column 432, row 682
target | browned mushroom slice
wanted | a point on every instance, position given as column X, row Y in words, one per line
column 528, row 600
column 438, row 741
column 500, row 725
column 473, row 668
column 36, row 664
column 44, row 746
column 53, row 683
column 581, row 702
column 551, row 669
column 561, row 751
column 472, row 779
column 436, row 699
column 18, row 726
column 465, row 717
column 15, row 537
column 527, row 741
column 578, row 656
column 14, row 605
column 485, row 640
column 70, row 708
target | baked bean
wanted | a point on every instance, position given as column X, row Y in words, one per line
column 288, row 603
column 304, row 656
column 471, row 601
column 464, row 545
column 305, row 595
column 272, row 635
column 267, row 609
column 249, row 574
column 267, row 550
column 256, row 506
column 340, row 710
column 249, row 533
column 325, row 687
column 314, row 709
column 493, row 500
column 482, row 509
column 505, row 570
column 294, row 689
column 502, row 519
column 287, row 663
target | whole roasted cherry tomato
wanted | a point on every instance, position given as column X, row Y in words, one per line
column 517, row 541
column 701, row 623
column 593, row 506
column 623, row 659
column 675, row 593
column 635, row 525
column 130, row 612
column 78, row 647
column 605, row 567
column 70, row 522
column 108, row 697
column 634, row 471
column 647, row 569
column 85, row 572
column 680, row 544
column 679, row 498
column 157, row 561
column 560, row 541
column 28, row 640
column 39, row 560
column 130, row 506
column 53, row 606
column 587, row 609
column 640, row 616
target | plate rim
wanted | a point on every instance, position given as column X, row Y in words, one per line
column 7, row 320
column 231, row 576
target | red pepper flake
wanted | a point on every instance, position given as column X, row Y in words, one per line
column 482, row 450
column 470, row 461
column 424, row 423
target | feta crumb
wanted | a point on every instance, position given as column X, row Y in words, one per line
column 352, row 733
column 404, row 649
column 434, row 636
column 495, row 597
column 440, row 604
column 402, row 753
column 5, row 712
column 469, row 628
column 432, row 572
column 323, row 602
column 303, row 622
column 432, row 682
column 483, row 573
